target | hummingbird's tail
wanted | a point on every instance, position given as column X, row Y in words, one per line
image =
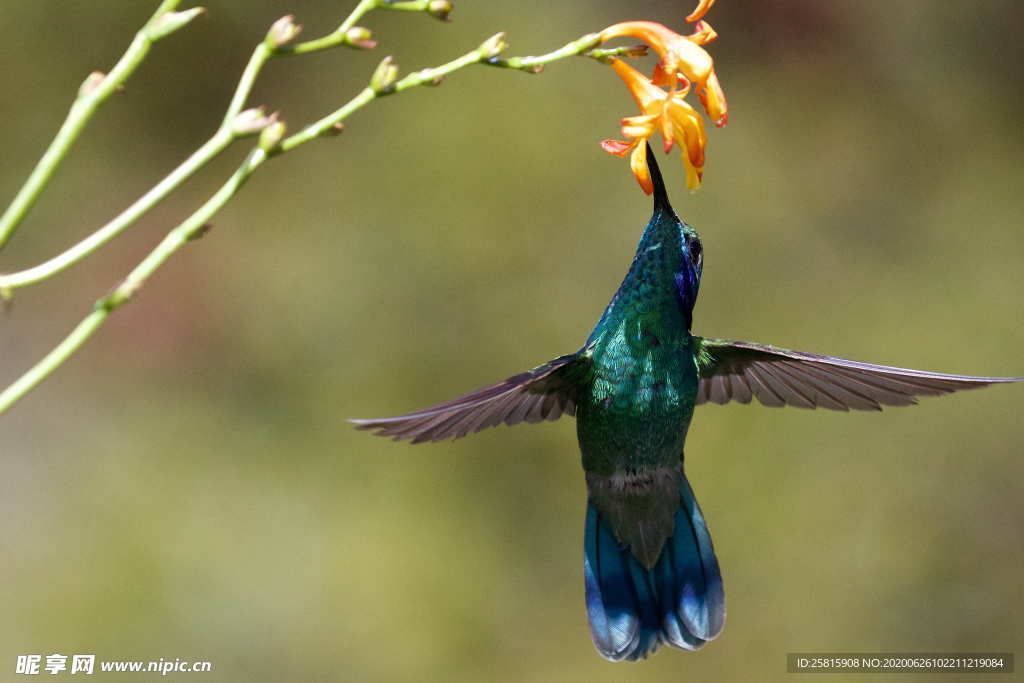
column 631, row 609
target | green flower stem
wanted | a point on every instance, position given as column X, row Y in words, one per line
column 211, row 149
column 220, row 141
column 259, row 58
column 193, row 225
column 581, row 46
column 406, row 5
column 327, row 124
column 84, row 106
column 214, row 146
column 535, row 64
column 131, row 284
column 176, row 238
column 52, row 361
column 336, row 37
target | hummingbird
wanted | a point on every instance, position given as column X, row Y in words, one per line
column 649, row 566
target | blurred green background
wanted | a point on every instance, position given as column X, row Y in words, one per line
column 187, row 485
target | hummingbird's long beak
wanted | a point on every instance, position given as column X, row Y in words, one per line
column 660, row 194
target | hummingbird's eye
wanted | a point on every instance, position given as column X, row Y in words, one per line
column 695, row 253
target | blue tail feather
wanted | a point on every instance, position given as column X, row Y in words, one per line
column 632, row 610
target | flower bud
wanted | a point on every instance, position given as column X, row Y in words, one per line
column 252, row 121
column 360, row 37
column 168, row 23
column 385, row 75
column 440, row 9
column 91, row 82
column 493, row 46
column 334, row 130
column 282, row 32
column 271, row 136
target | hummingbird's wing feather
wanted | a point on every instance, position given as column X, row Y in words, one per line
column 544, row 393
column 738, row 371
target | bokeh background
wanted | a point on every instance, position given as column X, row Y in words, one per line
column 187, row 486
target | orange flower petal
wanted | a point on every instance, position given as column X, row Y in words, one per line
column 619, row 148
column 702, row 8
column 639, row 126
column 638, row 162
column 640, row 120
column 694, row 175
column 654, row 34
column 660, row 75
column 643, row 91
column 678, row 53
column 702, row 34
column 683, row 64
column 693, row 60
column 667, row 133
column 713, row 98
column 690, row 128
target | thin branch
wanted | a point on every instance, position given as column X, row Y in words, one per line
column 535, row 64
column 267, row 149
column 581, row 46
column 213, row 147
column 221, row 139
column 92, row 94
column 337, row 37
column 124, row 292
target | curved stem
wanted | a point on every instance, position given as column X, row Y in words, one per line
column 193, row 225
column 336, row 37
column 245, row 84
column 85, row 105
column 581, row 46
column 131, row 284
column 534, row 64
column 213, row 147
column 53, row 360
column 185, row 231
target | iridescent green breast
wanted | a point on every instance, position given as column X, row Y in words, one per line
column 635, row 407
column 637, row 404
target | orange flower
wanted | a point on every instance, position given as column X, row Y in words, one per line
column 702, row 8
column 683, row 61
column 669, row 112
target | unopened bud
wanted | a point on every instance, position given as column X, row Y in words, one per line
column 271, row 136
column 432, row 82
column 200, row 232
column 91, row 82
column 334, row 129
column 252, row 121
column 384, row 76
column 360, row 37
column 440, row 9
column 493, row 46
column 282, row 32
column 168, row 23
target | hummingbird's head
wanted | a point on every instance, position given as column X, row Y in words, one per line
column 665, row 273
column 689, row 259
column 688, row 274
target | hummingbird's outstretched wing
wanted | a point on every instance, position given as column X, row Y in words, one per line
column 544, row 393
column 738, row 371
